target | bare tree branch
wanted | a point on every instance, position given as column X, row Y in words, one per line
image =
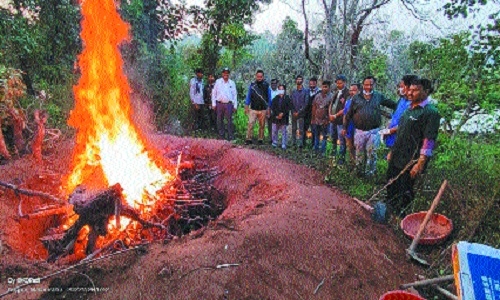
column 306, row 36
column 413, row 11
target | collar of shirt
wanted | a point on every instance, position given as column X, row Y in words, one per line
column 422, row 104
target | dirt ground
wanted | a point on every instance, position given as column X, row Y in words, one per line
column 286, row 230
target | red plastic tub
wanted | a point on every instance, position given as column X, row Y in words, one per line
column 436, row 231
column 400, row 295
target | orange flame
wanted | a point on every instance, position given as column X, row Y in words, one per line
column 109, row 148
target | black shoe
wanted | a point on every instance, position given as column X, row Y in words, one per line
column 260, row 142
column 248, row 142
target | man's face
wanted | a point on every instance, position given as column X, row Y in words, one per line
column 273, row 85
column 416, row 93
column 325, row 89
column 340, row 84
column 353, row 90
column 225, row 75
column 402, row 88
column 298, row 81
column 211, row 78
column 199, row 75
column 312, row 84
column 259, row 77
column 368, row 85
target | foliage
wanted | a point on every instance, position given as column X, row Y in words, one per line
column 466, row 77
column 12, row 89
column 40, row 38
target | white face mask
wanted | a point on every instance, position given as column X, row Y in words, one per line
column 401, row 91
column 366, row 93
column 281, row 92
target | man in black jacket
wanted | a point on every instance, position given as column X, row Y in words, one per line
column 313, row 91
column 256, row 104
column 366, row 113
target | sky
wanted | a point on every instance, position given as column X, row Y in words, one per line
column 395, row 15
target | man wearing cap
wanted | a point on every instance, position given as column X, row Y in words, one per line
column 256, row 106
column 197, row 102
column 336, row 113
column 224, row 101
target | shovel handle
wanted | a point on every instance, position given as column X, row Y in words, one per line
column 421, row 229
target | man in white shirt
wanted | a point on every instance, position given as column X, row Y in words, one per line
column 196, row 95
column 224, row 101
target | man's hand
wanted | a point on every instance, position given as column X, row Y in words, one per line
column 196, row 106
column 332, row 118
column 389, row 156
column 280, row 116
column 418, row 168
column 343, row 132
column 295, row 114
column 214, row 107
column 247, row 110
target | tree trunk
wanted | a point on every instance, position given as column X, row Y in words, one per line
column 36, row 146
column 3, row 147
column 18, row 125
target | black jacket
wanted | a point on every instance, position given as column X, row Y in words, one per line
column 284, row 107
column 337, row 106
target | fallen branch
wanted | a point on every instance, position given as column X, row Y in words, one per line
column 319, row 286
column 426, row 282
column 411, row 163
column 31, row 192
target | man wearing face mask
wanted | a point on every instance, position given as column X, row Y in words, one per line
column 256, row 104
column 366, row 113
column 280, row 114
column 389, row 134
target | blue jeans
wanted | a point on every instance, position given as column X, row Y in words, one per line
column 317, row 130
column 284, row 135
column 342, row 144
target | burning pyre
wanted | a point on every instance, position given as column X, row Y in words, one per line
column 121, row 190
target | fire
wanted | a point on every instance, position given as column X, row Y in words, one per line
column 109, row 147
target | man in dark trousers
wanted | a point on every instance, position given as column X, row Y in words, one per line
column 313, row 91
column 299, row 96
column 280, row 115
column 207, row 95
column 256, row 105
column 415, row 142
column 336, row 113
column 366, row 113
column 274, row 93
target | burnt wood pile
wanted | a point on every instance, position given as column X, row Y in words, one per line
column 186, row 204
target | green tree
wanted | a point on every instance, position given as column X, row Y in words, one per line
column 466, row 77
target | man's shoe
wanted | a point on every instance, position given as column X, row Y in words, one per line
column 260, row 142
column 248, row 142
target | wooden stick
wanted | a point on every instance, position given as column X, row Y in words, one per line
column 411, row 163
column 47, row 212
column 363, row 205
column 445, row 292
column 31, row 192
column 426, row 282
column 319, row 286
column 435, row 202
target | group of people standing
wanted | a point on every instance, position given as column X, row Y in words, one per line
column 351, row 116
